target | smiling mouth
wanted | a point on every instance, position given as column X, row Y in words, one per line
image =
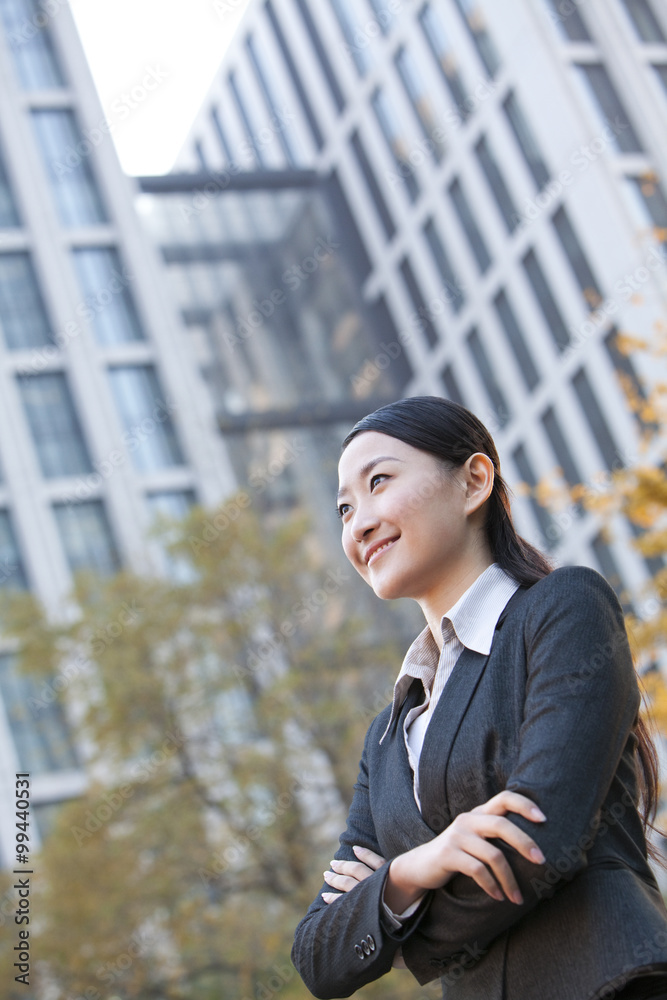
column 378, row 552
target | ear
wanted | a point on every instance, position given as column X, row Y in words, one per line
column 478, row 475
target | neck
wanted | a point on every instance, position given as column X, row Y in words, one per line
column 444, row 597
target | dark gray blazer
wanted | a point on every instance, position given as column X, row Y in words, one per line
column 548, row 713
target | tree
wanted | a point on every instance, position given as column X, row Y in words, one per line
column 221, row 719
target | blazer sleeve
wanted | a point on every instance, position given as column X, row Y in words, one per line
column 341, row 946
column 581, row 703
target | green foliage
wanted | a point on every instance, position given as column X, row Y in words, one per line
column 222, row 719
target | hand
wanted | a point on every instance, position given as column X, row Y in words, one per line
column 348, row 874
column 464, row 847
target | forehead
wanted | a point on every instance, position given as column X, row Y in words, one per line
column 368, row 447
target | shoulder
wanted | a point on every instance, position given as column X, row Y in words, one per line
column 576, row 590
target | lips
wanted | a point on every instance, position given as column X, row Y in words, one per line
column 376, row 550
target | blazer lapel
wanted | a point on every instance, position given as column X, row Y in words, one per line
column 440, row 735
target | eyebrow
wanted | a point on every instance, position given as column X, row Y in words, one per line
column 365, row 469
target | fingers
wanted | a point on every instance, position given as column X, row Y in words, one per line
column 369, row 857
column 331, row 897
column 507, row 801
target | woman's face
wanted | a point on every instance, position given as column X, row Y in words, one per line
column 407, row 525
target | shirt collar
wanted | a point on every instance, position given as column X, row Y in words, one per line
column 472, row 620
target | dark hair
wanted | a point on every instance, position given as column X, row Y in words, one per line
column 452, row 433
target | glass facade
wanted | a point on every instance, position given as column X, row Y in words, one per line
column 577, row 259
column 422, row 105
column 364, row 164
column 609, row 107
column 499, row 405
column 36, row 722
column 393, row 134
column 356, row 43
column 35, row 59
column 568, row 20
column 150, row 435
column 54, row 425
column 445, row 55
column 644, row 21
column 23, row 317
column 526, row 140
column 548, row 528
column 252, row 135
column 560, row 447
column 295, row 75
column 516, row 339
column 452, row 284
column 322, row 56
column 545, row 298
column 473, row 15
column 66, row 152
column 422, row 312
column 12, row 573
column 596, row 420
column 497, row 183
column 9, row 216
column 267, row 87
column 469, row 225
column 86, row 537
column 107, row 301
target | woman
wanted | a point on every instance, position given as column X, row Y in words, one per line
column 502, row 785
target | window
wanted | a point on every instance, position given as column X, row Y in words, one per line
column 357, row 44
column 445, row 56
column 473, row 16
column 371, row 183
column 9, row 216
column 66, row 153
column 321, row 55
column 107, row 299
column 516, row 339
column 568, row 20
column 54, row 425
column 452, row 287
column 295, row 76
column 383, row 15
column 661, row 73
column 420, row 100
column 526, row 140
column 609, row 107
column 38, row 727
column 644, row 21
column 609, row 568
column 548, row 528
column 561, row 448
column 145, row 414
column 631, row 383
column 484, row 367
column 398, row 148
column 422, row 314
column 451, row 385
column 596, row 420
column 496, row 181
column 470, row 227
column 22, row 313
column 86, row 537
column 577, row 259
column 652, row 199
column 546, row 300
column 250, row 132
column 222, row 136
column 31, row 45
column 268, row 90
column 173, row 505
column 12, row 574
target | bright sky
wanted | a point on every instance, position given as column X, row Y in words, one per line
column 153, row 62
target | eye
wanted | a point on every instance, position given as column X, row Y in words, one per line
column 342, row 510
column 376, row 477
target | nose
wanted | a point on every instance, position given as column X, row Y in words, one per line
column 364, row 520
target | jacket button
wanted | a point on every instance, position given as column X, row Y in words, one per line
column 359, row 950
column 371, row 942
column 367, row 948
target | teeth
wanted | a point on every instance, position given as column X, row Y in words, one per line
column 382, row 547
